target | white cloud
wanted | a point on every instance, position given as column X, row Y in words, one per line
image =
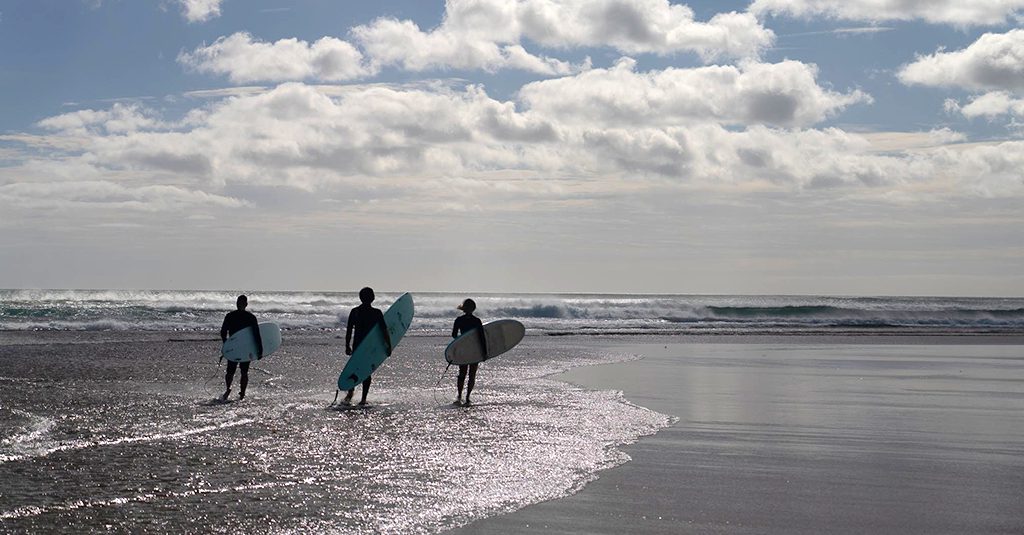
column 105, row 195
column 783, row 94
column 993, row 62
column 401, row 142
column 393, row 42
column 244, row 59
column 990, row 105
column 200, row 10
column 487, row 34
column 907, row 141
column 953, row 12
column 119, row 119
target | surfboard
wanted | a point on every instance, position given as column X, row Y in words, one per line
column 372, row 350
column 501, row 335
column 241, row 346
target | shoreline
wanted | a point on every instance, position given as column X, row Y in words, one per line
column 659, row 491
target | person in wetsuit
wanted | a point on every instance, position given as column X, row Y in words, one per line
column 463, row 324
column 235, row 321
column 360, row 321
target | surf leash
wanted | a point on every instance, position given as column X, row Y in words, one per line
column 439, row 379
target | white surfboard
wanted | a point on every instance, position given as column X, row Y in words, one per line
column 501, row 336
column 241, row 346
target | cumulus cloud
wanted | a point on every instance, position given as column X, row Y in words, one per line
column 200, row 10
column 993, row 62
column 953, row 12
column 782, row 94
column 119, row 119
column 403, row 140
column 244, row 59
column 487, row 34
column 402, row 43
column 990, row 105
column 490, row 35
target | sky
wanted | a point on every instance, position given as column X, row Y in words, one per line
column 842, row 147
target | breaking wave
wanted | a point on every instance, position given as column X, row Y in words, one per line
column 101, row 310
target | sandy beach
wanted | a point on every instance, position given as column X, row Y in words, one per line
column 808, row 435
column 568, row 434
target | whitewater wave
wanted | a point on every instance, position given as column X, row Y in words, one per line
column 123, row 310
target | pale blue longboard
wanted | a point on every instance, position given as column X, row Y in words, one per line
column 241, row 346
column 372, row 350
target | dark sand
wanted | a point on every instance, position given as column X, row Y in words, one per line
column 809, row 435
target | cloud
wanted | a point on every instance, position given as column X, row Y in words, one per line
column 845, row 32
column 782, row 94
column 952, row 12
column 245, row 60
column 990, row 105
column 401, row 143
column 993, row 62
column 402, row 43
column 119, row 119
column 106, row 195
column 487, row 34
column 200, row 10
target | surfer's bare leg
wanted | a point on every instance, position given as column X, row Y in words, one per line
column 229, row 375
column 348, row 395
column 472, row 381
column 244, row 381
column 461, row 380
column 366, row 389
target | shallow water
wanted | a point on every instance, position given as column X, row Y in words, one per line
column 104, row 432
column 798, row 436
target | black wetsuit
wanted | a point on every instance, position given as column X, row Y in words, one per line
column 235, row 321
column 464, row 324
column 360, row 321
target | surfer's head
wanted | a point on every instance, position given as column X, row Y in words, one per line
column 242, row 302
column 468, row 306
column 366, row 295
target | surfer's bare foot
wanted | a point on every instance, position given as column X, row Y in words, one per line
column 241, row 396
column 226, row 394
column 468, row 402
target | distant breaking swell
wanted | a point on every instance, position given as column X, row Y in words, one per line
column 828, row 315
column 204, row 310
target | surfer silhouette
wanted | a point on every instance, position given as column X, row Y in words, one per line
column 463, row 324
column 235, row 321
column 363, row 318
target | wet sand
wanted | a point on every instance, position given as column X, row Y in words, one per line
column 808, row 435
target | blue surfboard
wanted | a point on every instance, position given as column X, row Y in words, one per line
column 372, row 351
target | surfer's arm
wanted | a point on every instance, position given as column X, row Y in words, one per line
column 349, row 325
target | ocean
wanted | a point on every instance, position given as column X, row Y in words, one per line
column 161, row 310
column 110, row 418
